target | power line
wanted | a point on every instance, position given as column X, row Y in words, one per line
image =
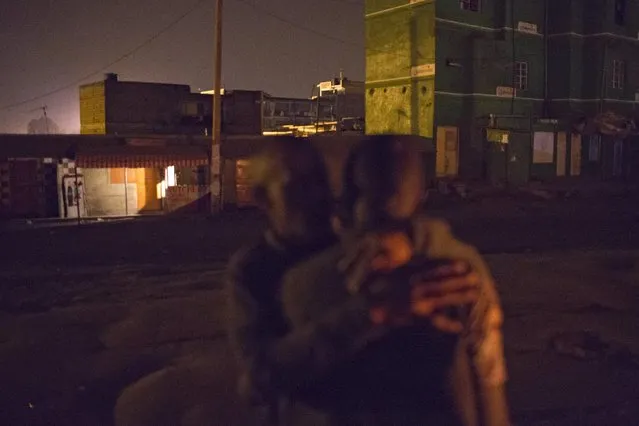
column 340, row 40
column 298, row 26
column 261, row 10
column 351, row 2
column 127, row 55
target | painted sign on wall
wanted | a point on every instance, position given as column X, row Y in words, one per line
column 527, row 27
column 424, row 70
column 505, row 92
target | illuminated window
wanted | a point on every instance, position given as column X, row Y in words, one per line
column 521, row 75
column 618, row 74
column 471, row 5
column 116, row 176
column 171, row 177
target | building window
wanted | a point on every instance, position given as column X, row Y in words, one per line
column 618, row 74
column 620, row 12
column 472, row 5
column 190, row 109
column 116, row 175
column 521, row 75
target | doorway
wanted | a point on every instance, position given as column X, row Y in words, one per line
column 447, row 163
column 561, row 154
column 575, row 155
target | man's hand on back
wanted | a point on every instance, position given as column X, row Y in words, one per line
column 435, row 292
column 439, row 296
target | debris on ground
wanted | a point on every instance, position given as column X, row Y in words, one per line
column 589, row 346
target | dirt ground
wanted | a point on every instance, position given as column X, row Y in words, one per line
column 124, row 322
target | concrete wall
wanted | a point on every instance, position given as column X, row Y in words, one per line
column 27, row 188
column 577, row 62
column 400, row 36
column 104, row 198
column 474, row 53
column 142, row 108
column 242, row 112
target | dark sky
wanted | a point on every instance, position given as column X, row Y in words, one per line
column 48, row 44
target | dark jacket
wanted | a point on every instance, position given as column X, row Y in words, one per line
column 416, row 371
column 276, row 360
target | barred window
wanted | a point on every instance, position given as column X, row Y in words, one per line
column 618, row 74
column 521, row 75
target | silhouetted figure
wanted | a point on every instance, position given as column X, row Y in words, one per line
column 434, row 365
column 291, row 185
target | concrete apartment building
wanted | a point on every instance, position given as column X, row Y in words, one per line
column 508, row 90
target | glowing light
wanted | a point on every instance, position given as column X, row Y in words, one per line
column 160, row 190
column 211, row 92
column 170, row 176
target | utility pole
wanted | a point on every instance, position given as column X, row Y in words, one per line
column 46, row 119
column 216, row 158
column 338, row 126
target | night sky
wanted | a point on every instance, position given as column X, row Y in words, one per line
column 47, row 44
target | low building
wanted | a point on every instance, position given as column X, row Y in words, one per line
column 116, row 107
column 76, row 176
column 347, row 96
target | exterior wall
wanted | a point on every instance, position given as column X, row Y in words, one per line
column 279, row 112
column 93, row 109
column 187, row 199
column 104, row 198
column 351, row 105
column 136, row 108
column 5, row 190
column 582, row 46
column 242, row 112
column 475, row 57
column 27, row 188
column 474, row 54
column 143, row 108
column 400, row 61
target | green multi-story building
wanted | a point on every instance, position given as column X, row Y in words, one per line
column 507, row 89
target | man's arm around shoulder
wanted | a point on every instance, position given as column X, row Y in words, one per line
column 283, row 363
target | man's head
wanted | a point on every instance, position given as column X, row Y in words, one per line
column 290, row 183
column 383, row 182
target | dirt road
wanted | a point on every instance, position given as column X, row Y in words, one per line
column 130, row 316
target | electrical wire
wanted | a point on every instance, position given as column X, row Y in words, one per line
column 126, row 55
column 298, row 26
column 270, row 14
column 340, row 40
column 351, row 2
